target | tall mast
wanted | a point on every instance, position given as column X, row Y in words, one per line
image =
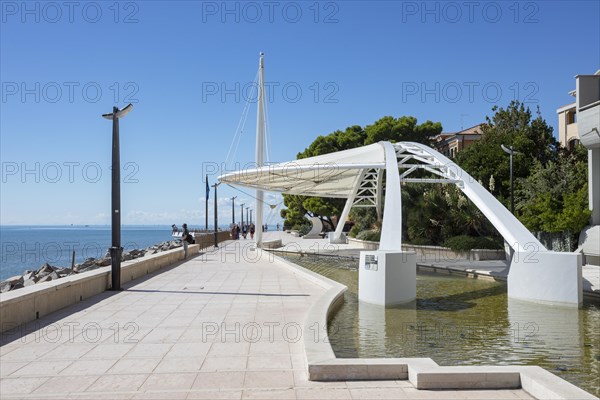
column 260, row 145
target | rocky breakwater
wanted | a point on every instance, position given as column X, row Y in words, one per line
column 48, row 272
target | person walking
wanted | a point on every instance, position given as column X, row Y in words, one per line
column 252, row 228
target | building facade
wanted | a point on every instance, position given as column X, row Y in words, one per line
column 449, row 144
column 568, row 135
column 579, row 122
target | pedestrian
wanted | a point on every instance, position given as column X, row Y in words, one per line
column 252, row 228
column 244, row 231
column 186, row 238
column 237, row 232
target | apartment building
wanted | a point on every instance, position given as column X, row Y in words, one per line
column 449, row 144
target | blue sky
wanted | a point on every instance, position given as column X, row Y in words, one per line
column 185, row 65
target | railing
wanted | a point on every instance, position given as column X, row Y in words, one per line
column 588, row 106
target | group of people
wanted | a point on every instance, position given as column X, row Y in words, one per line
column 244, row 230
column 236, row 230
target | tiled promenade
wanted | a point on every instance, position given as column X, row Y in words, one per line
column 215, row 326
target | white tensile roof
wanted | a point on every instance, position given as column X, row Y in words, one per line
column 328, row 175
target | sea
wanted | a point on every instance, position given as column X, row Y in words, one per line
column 29, row 247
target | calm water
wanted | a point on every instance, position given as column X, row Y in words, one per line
column 463, row 321
column 28, row 247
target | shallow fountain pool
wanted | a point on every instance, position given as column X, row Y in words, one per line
column 464, row 321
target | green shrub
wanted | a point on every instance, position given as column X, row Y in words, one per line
column 466, row 243
column 354, row 231
column 363, row 218
column 302, row 229
column 370, row 235
column 305, row 229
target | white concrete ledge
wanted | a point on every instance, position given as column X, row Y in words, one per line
column 272, row 244
column 438, row 253
column 359, row 369
column 423, row 373
column 27, row 304
column 490, row 274
column 481, row 377
column 543, row 384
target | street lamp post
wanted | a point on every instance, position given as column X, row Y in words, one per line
column 251, row 216
column 206, row 206
column 233, row 210
column 511, row 152
column 247, row 219
column 242, row 214
column 116, row 250
column 216, row 220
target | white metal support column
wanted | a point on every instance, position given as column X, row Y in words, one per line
column 260, row 146
column 379, row 197
column 336, row 237
column 391, row 230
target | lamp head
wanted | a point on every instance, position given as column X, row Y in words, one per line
column 119, row 113
column 509, row 150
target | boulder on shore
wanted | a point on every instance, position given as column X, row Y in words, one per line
column 50, row 277
column 5, row 286
column 44, row 270
column 103, row 262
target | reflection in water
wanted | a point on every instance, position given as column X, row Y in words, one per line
column 376, row 327
column 555, row 333
column 463, row 321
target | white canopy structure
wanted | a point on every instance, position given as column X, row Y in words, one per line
column 329, row 175
column 357, row 174
column 536, row 273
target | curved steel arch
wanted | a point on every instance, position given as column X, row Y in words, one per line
column 413, row 156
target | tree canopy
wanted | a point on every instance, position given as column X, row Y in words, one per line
column 554, row 197
column 513, row 126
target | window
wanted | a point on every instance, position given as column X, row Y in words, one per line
column 571, row 117
column 572, row 144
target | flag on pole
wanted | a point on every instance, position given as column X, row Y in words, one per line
column 207, row 188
